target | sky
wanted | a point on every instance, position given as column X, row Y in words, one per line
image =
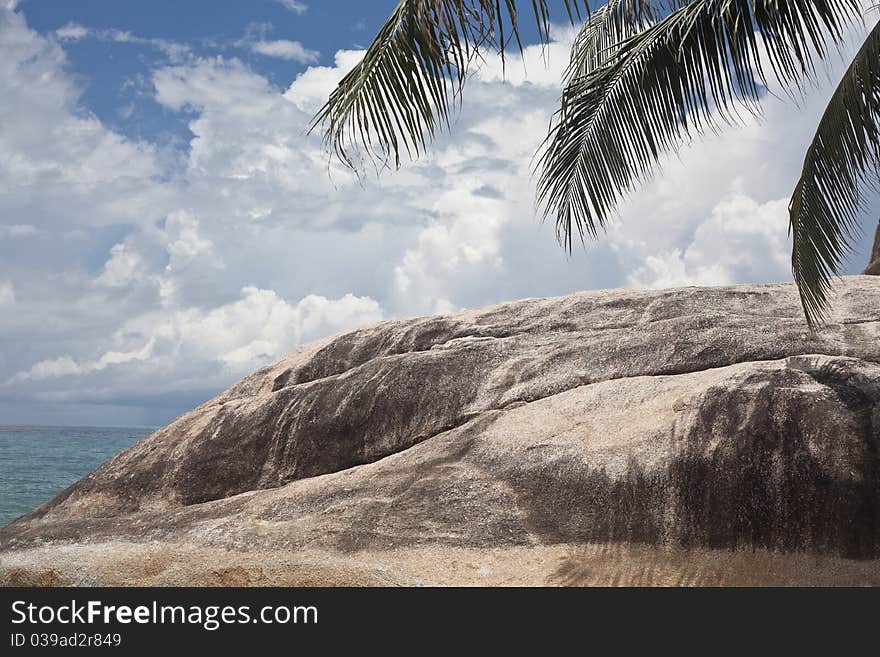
column 168, row 226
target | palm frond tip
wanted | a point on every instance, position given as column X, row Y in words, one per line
column 841, row 163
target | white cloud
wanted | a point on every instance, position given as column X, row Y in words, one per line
column 742, row 241
column 295, row 6
column 7, row 294
column 124, row 267
column 67, row 366
column 185, row 243
column 256, row 41
column 540, row 65
column 72, row 32
column 284, row 49
column 215, row 83
column 172, row 49
column 255, row 329
column 49, row 369
column 17, row 230
column 57, row 161
column 311, row 88
column 261, row 326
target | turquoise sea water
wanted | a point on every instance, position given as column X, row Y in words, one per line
column 37, row 463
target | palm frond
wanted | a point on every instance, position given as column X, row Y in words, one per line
column 693, row 70
column 608, row 27
column 403, row 90
column 842, row 161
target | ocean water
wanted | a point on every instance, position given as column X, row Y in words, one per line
column 37, row 463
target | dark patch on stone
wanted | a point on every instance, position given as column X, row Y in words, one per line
column 226, row 458
column 571, row 502
column 303, row 433
column 358, row 348
column 282, row 380
column 761, row 486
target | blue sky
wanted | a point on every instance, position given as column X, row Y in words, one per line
column 167, row 226
column 111, row 70
column 227, row 28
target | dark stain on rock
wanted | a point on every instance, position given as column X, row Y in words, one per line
column 282, row 380
column 569, row 501
column 743, row 478
column 327, row 426
column 358, row 348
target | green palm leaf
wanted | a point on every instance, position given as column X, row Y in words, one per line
column 608, row 27
column 691, row 71
column 398, row 96
column 841, row 162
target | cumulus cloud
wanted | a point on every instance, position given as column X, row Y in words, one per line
column 134, row 282
column 309, row 90
column 296, row 6
column 17, row 230
column 67, row 366
column 72, row 32
column 7, row 294
column 123, row 267
column 258, row 327
column 284, row 49
column 153, row 310
column 57, row 161
column 256, row 40
column 742, row 241
column 255, row 329
column 185, row 243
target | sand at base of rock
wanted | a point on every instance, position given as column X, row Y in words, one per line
column 560, row 565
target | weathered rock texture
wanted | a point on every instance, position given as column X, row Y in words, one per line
column 681, row 436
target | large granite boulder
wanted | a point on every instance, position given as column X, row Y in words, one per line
column 698, row 435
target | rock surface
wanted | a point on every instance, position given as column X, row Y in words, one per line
column 698, row 435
